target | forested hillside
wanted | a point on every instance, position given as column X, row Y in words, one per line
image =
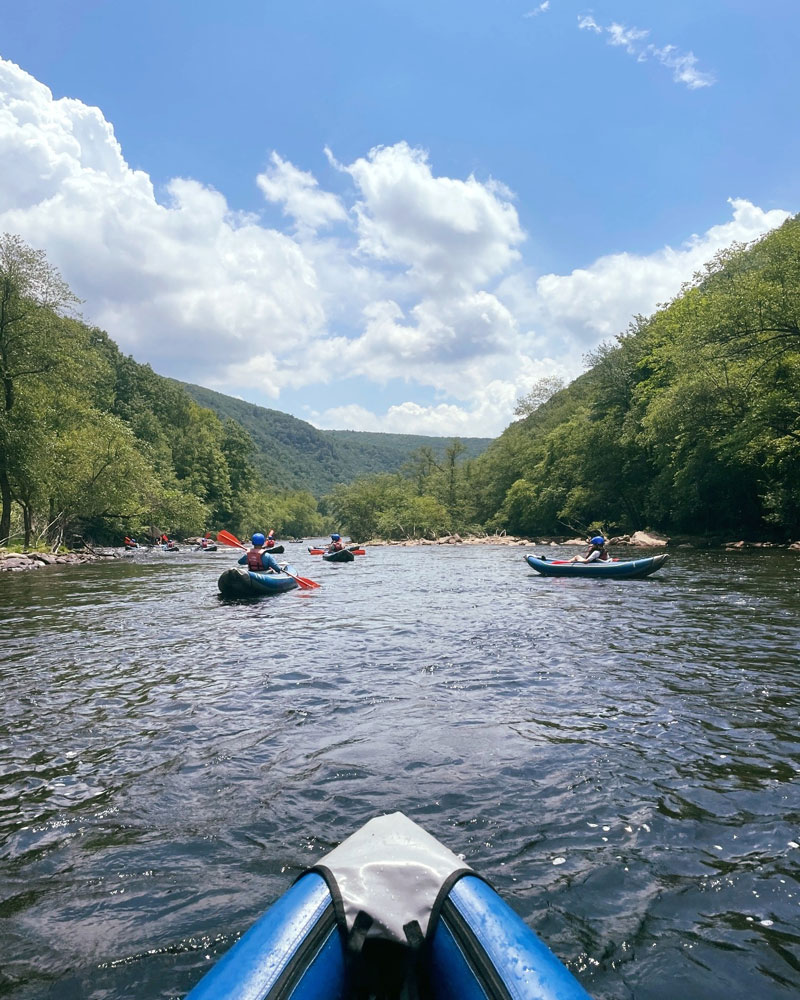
column 94, row 445
column 688, row 422
column 304, row 457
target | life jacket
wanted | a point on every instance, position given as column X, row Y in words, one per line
column 336, row 547
column 254, row 562
column 270, row 542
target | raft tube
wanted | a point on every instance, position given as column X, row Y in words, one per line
column 236, row 582
column 467, row 943
column 342, row 556
column 629, row 569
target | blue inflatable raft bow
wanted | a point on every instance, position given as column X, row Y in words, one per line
column 627, row 569
column 236, row 582
column 390, row 913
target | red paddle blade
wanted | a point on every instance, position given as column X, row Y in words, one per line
column 228, row 539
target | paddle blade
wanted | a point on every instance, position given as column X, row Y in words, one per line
column 228, row 539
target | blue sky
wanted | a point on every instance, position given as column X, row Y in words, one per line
column 388, row 216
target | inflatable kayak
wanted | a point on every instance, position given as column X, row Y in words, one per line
column 390, row 912
column 342, row 556
column 274, row 550
column 352, row 548
column 628, row 569
column 236, row 582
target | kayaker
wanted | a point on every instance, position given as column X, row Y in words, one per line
column 270, row 538
column 597, row 551
column 256, row 559
column 336, row 543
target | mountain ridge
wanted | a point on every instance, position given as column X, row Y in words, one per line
column 292, row 452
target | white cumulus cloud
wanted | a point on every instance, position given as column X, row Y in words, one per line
column 300, row 195
column 411, row 277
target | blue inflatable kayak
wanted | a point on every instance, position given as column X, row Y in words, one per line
column 242, row 582
column 391, row 912
column 628, row 569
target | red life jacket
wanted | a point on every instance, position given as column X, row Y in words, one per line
column 254, row 562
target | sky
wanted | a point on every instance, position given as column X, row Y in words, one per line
column 390, row 216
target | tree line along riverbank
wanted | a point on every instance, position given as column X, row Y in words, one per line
column 687, row 423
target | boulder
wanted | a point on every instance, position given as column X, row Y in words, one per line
column 646, row 539
column 46, row 558
column 17, row 562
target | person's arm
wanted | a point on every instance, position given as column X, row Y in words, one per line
column 270, row 562
column 243, row 560
column 593, row 556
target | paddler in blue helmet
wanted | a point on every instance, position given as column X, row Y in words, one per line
column 256, row 559
column 597, row 551
column 336, row 543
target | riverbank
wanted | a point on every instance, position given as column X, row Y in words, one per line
column 639, row 539
column 18, row 562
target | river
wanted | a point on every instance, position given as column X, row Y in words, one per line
column 620, row 759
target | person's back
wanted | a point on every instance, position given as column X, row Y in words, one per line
column 256, row 559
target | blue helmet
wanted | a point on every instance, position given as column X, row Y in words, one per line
column 258, row 538
column 336, row 538
column 598, row 540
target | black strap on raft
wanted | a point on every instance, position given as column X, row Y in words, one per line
column 384, row 970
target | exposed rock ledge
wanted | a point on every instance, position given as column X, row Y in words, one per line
column 18, row 562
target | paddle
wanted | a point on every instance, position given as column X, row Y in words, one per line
column 228, row 539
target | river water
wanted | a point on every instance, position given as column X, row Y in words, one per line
column 620, row 759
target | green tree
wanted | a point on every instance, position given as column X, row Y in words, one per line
column 34, row 342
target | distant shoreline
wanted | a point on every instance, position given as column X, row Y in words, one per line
column 638, row 539
column 16, row 562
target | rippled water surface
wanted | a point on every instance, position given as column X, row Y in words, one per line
column 620, row 759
